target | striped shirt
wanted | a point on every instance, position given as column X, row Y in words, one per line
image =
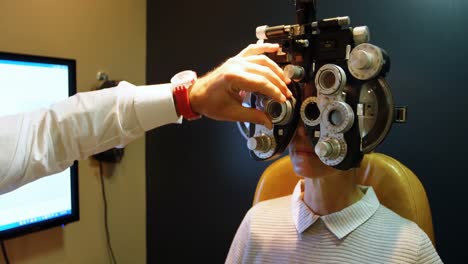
column 285, row 230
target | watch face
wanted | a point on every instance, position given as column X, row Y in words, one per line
column 184, row 78
column 181, row 82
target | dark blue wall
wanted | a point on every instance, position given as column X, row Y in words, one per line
column 200, row 180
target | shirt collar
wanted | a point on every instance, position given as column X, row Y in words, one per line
column 339, row 223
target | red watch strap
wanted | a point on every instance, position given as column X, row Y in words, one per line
column 183, row 103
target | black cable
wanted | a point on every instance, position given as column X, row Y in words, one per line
column 106, row 222
column 5, row 256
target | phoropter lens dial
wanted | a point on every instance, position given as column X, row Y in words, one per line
column 338, row 117
column 367, row 61
column 330, row 79
column 310, row 112
column 280, row 113
column 331, row 150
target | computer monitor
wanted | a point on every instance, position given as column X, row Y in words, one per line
column 28, row 83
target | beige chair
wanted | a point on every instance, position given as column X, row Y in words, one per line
column 396, row 186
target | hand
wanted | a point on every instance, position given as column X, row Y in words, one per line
column 217, row 95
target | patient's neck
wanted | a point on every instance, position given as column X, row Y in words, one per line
column 331, row 193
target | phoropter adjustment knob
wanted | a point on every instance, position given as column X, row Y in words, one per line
column 294, row 72
column 260, row 143
column 329, row 148
column 361, row 35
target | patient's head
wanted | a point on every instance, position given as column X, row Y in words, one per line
column 305, row 162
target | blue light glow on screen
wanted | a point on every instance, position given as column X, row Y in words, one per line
column 33, row 64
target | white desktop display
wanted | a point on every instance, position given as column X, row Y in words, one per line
column 28, row 83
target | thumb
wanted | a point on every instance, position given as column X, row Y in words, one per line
column 244, row 114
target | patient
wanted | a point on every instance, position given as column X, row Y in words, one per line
column 329, row 218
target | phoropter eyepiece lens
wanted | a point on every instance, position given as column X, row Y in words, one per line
column 280, row 113
column 335, row 118
column 327, row 80
column 310, row 112
column 274, row 110
column 330, row 79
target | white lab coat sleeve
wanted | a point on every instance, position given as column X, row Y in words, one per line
column 44, row 142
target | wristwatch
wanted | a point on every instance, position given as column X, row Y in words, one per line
column 181, row 82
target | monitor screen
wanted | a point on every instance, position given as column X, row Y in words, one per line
column 28, row 83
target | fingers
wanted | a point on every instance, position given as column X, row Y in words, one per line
column 267, row 62
column 252, row 115
column 254, row 54
column 252, row 82
column 271, row 77
column 259, row 48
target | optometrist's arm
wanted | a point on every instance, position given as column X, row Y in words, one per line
column 44, row 142
column 36, row 144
